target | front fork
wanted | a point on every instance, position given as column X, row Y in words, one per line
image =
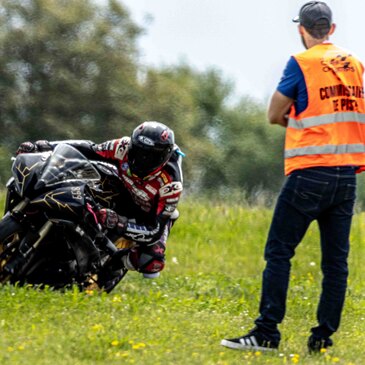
column 29, row 243
column 17, row 213
column 27, row 247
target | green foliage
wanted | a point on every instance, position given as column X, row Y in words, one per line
column 67, row 69
column 5, row 164
column 209, row 290
column 248, row 152
column 70, row 69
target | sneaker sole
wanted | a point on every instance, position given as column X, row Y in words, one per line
column 240, row 346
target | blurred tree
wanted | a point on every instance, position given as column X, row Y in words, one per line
column 190, row 102
column 67, row 70
column 250, row 150
column 5, row 163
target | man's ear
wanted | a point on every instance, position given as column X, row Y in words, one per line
column 301, row 30
column 332, row 29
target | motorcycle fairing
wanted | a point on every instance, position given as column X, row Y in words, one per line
column 35, row 171
column 67, row 164
column 67, row 200
column 25, row 170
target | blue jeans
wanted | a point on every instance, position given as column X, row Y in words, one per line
column 325, row 194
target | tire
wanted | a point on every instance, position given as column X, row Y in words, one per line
column 111, row 279
column 37, row 269
column 10, row 237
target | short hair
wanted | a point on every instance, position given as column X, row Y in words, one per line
column 320, row 29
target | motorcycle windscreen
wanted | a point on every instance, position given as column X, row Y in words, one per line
column 68, row 164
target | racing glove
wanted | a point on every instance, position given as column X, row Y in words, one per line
column 29, row 147
column 109, row 219
column 26, row 147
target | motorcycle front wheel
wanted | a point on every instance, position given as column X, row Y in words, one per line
column 10, row 238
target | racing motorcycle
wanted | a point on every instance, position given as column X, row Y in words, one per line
column 49, row 234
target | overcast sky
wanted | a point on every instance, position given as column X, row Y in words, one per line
column 249, row 41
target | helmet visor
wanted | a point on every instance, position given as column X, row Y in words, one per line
column 143, row 162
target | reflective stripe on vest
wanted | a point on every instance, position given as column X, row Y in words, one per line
column 326, row 119
column 331, row 130
column 326, row 149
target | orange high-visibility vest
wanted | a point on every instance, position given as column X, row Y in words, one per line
column 331, row 130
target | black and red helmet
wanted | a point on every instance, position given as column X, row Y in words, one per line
column 151, row 146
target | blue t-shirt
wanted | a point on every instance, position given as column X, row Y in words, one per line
column 292, row 85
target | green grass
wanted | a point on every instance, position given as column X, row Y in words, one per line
column 209, row 289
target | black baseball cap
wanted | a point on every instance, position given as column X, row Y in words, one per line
column 314, row 15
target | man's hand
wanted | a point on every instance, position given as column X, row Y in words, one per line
column 29, row 147
column 111, row 220
column 279, row 108
column 107, row 218
column 26, row 147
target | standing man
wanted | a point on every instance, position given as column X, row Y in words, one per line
column 320, row 102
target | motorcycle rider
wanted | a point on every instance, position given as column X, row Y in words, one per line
column 149, row 165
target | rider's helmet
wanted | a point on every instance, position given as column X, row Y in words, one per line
column 151, row 147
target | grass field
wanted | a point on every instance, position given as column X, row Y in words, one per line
column 209, row 290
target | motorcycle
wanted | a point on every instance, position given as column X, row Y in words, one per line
column 49, row 234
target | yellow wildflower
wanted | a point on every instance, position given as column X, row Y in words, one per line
column 295, row 358
column 97, row 327
column 138, row 346
column 116, row 299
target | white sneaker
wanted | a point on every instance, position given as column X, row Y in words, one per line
column 251, row 341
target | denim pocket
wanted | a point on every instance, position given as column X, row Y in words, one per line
column 348, row 199
column 350, row 191
column 308, row 193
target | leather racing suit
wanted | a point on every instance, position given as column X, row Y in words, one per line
column 149, row 203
